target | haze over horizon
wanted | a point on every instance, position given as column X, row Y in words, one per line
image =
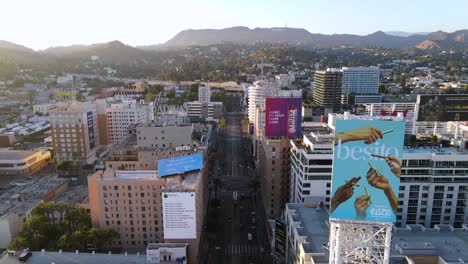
column 50, row 23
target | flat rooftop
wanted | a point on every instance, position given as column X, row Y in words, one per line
column 314, row 226
column 149, row 175
column 26, row 195
column 434, row 150
column 443, row 241
column 177, row 182
column 74, row 195
column 72, row 258
column 152, row 246
column 7, row 154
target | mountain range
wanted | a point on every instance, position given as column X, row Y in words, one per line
column 299, row 36
column 115, row 52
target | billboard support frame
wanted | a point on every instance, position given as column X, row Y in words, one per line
column 370, row 245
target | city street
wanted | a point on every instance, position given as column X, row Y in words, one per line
column 242, row 237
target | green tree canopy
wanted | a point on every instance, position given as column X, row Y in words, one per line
column 170, row 94
column 54, row 226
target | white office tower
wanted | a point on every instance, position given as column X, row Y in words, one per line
column 360, row 80
column 204, row 93
column 257, row 93
column 260, row 90
column 123, row 113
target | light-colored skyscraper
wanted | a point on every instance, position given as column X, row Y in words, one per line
column 204, row 93
column 123, row 113
column 360, row 80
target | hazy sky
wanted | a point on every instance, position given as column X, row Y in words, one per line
column 42, row 23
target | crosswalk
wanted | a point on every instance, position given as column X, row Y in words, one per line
column 240, row 249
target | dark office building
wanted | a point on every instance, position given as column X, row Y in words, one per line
column 327, row 90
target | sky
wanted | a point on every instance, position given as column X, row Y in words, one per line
column 41, row 24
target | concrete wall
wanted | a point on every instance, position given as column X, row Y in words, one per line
column 164, row 137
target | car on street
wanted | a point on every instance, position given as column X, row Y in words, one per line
column 249, row 237
column 229, row 219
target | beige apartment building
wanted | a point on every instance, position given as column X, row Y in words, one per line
column 75, row 133
column 131, row 202
column 272, row 166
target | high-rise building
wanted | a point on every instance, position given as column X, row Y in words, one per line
column 132, row 203
column 75, row 133
column 256, row 97
column 360, row 80
column 204, row 94
column 327, row 90
column 271, row 154
column 123, row 113
column 432, row 189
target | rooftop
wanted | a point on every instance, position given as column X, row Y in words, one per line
column 318, row 230
column 74, row 195
column 73, row 258
column 434, row 150
column 111, row 175
column 180, row 182
column 165, row 245
column 73, row 106
column 25, row 195
column 7, row 154
column 441, row 241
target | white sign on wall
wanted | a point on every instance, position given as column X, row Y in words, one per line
column 179, row 215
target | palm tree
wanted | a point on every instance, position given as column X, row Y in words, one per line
column 61, row 208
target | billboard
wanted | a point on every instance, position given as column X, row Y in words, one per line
column 179, row 215
column 89, row 117
column 283, row 117
column 366, row 170
column 444, row 107
column 180, row 164
column 280, row 237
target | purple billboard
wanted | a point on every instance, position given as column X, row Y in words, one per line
column 283, row 117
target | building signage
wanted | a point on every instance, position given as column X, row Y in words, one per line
column 366, row 170
column 180, row 164
column 183, row 148
column 91, row 136
column 283, row 117
column 179, row 215
column 444, row 107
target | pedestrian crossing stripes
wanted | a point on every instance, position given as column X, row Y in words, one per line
column 240, row 249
